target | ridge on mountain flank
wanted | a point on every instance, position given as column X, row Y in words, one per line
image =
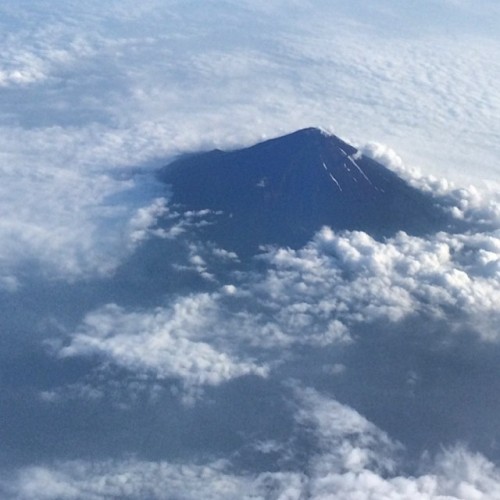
column 281, row 191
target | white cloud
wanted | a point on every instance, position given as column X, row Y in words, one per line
column 132, row 479
column 471, row 204
column 315, row 296
column 65, row 224
column 358, row 460
column 353, row 278
column 456, row 475
column 87, row 89
column 351, row 458
column 311, row 296
column 346, row 439
column 142, row 223
column 91, row 90
column 177, row 342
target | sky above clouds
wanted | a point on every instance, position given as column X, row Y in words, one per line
column 138, row 360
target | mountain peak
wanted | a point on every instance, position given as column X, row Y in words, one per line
column 308, row 138
column 284, row 189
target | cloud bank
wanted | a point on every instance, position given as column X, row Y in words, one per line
column 87, row 90
column 352, row 459
column 351, row 367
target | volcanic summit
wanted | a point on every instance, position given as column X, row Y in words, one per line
column 281, row 191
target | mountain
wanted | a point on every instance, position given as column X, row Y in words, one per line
column 283, row 190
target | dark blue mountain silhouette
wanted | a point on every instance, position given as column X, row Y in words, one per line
column 283, row 190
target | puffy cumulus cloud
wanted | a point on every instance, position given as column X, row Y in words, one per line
column 207, row 338
column 350, row 458
column 356, row 459
column 85, row 224
column 346, row 439
column 179, row 342
column 58, row 234
column 78, row 230
column 134, row 479
column 354, row 278
column 313, row 296
column 159, row 219
column 34, row 54
column 131, row 479
column 473, row 477
column 476, row 206
column 456, row 475
column 390, row 158
column 143, row 222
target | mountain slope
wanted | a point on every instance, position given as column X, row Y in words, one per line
column 283, row 190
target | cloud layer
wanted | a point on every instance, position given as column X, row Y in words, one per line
column 352, row 459
column 88, row 89
column 138, row 361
